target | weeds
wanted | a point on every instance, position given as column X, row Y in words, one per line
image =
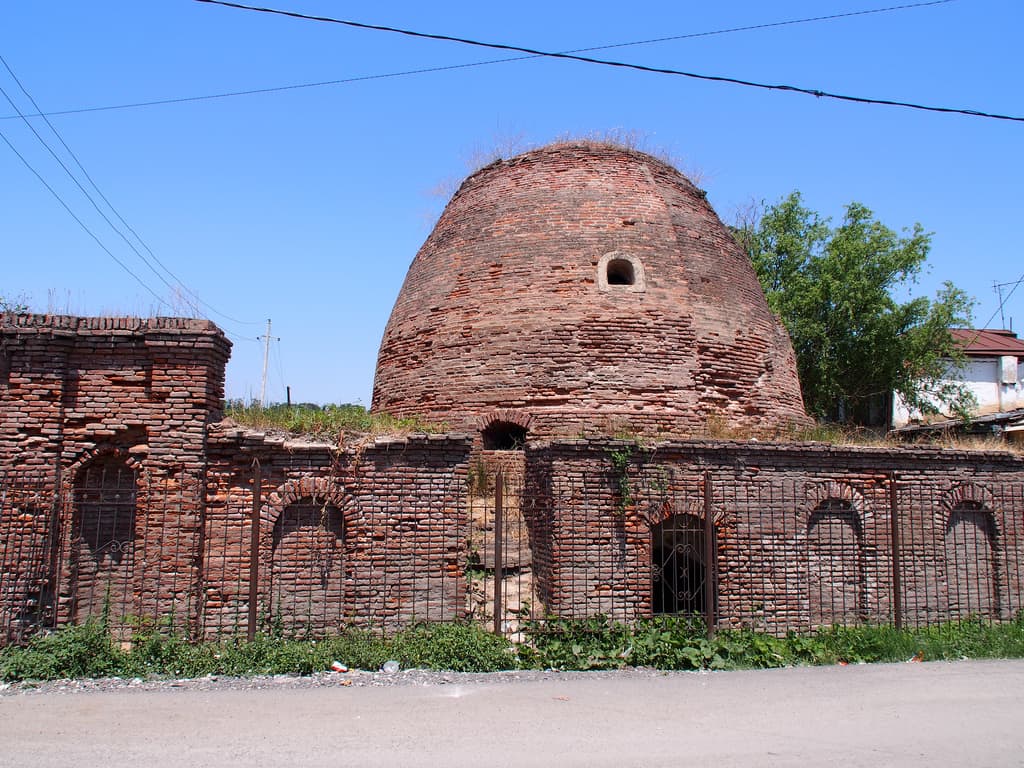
column 663, row 642
column 620, row 459
column 328, row 422
column 674, row 642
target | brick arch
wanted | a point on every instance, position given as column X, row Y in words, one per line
column 832, row 490
column 328, row 490
column 968, row 493
column 100, row 537
column 104, row 451
column 836, row 578
column 504, row 415
column 657, row 513
column 974, row 569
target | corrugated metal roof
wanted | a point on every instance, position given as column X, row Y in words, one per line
column 988, row 341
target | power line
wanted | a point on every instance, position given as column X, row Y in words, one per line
column 82, row 223
column 625, row 65
column 110, row 205
column 85, row 192
column 449, row 67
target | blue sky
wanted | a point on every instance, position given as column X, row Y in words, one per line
column 307, row 206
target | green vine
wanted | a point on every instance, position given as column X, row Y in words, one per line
column 620, row 459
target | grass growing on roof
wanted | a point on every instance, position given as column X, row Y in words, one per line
column 327, row 422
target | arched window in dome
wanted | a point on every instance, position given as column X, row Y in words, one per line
column 617, row 271
column 620, row 272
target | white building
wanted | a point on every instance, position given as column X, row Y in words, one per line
column 993, row 374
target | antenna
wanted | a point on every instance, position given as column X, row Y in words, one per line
column 998, row 288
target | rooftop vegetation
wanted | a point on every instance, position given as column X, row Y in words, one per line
column 333, row 422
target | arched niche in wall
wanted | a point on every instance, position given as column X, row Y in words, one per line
column 103, row 538
column 971, row 548
column 303, row 558
column 836, row 581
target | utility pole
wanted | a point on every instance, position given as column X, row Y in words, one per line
column 266, row 359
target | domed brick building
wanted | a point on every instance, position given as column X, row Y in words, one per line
column 582, row 289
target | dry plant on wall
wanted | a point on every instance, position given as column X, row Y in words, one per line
column 639, row 141
column 507, row 145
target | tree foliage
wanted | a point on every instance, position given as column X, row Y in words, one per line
column 833, row 288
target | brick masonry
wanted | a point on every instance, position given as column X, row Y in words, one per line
column 122, row 493
column 507, row 314
column 803, row 532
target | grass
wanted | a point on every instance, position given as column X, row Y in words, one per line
column 718, row 428
column 89, row 651
column 327, row 422
column 669, row 642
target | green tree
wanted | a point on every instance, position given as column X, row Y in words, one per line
column 833, row 288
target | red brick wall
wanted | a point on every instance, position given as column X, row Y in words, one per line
column 803, row 531
column 502, row 316
column 400, row 557
column 121, row 496
column 79, row 395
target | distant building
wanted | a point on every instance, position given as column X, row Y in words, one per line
column 993, row 373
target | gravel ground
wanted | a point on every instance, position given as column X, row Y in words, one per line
column 355, row 677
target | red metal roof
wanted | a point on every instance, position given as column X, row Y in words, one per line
column 988, row 341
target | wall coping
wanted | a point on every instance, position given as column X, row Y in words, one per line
column 29, row 324
column 764, row 450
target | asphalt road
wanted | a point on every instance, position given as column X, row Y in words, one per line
column 958, row 714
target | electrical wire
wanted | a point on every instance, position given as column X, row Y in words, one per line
column 449, row 67
column 81, row 223
column 620, row 64
column 110, row 205
column 85, row 192
column 1002, row 303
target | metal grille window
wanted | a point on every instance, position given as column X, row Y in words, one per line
column 678, row 569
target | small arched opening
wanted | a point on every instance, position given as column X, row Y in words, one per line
column 621, row 272
column 679, row 573
column 503, row 436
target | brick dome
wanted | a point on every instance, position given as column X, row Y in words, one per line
column 584, row 288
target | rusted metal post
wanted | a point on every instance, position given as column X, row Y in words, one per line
column 709, row 558
column 499, row 575
column 894, row 534
column 254, row 547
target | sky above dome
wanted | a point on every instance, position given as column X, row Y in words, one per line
column 306, row 205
